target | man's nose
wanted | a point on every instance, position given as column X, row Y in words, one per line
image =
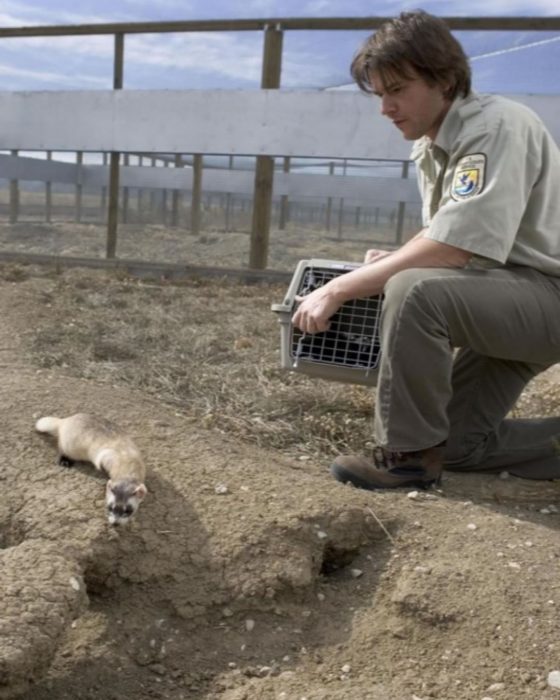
column 387, row 105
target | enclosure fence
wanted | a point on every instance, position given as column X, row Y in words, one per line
column 241, row 153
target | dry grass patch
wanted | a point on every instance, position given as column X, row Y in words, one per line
column 209, row 349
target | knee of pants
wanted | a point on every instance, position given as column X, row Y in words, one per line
column 400, row 286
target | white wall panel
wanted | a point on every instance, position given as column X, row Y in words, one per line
column 271, row 122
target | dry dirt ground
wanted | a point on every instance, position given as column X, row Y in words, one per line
column 249, row 574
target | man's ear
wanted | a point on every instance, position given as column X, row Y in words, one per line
column 140, row 492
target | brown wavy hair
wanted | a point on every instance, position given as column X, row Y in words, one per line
column 414, row 43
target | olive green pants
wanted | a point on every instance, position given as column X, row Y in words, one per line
column 505, row 323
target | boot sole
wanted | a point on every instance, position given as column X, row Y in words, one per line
column 345, row 476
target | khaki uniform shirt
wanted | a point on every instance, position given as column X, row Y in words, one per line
column 490, row 184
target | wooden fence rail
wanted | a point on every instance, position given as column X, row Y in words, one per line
column 123, row 122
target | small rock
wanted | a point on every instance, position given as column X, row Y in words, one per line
column 75, row 583
column 242, row 343
column 471, row 526
column 495, row 687
column 249, row 625
column 346, row 668
column 514, row 565
column 159, row 669
column 356, row 573
column 412, row 494
column 221, row 489
column 553, row 679
column 322, row 535
column 545, row 511
column 321, row 597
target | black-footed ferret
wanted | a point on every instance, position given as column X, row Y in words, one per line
column 87, row 438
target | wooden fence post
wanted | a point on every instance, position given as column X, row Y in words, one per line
column 264, row 170
column 79, row 161
column 176, row 195
column 402, row 207
column 48, row 195
column 284, row 203
column 196, row 194
column 14, row 196
column 341, row 207
column 140, row 194
column 113, row 213
column 153, row 197
column 104, row 191
column 125, row 193
column 228, row 200
column 329, row 200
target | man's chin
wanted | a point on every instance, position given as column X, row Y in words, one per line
column 406, row 131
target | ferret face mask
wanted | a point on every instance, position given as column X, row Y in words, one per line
column 123, row 499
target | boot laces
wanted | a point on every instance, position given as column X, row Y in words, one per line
column 398, row 461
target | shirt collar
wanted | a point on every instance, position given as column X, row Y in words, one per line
column 460, row 109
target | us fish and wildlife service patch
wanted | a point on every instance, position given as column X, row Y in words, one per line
column 468, row 178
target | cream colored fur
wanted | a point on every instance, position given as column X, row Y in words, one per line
column 83, row 437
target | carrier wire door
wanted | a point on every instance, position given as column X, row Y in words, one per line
column 349, row 350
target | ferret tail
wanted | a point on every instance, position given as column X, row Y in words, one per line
column 48, row 424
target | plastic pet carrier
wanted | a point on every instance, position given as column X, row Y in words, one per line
column 349, row 350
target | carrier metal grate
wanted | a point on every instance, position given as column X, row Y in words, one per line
column 352, row 339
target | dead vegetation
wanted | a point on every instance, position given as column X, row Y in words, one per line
column 211, row 350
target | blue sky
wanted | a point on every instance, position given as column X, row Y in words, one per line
column 508, row 62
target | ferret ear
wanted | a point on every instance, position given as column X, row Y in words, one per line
column 140, row 492
column 109, row 486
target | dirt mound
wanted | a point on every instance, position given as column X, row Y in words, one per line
column 249, row 573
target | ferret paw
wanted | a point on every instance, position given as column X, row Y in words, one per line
column 65, row 461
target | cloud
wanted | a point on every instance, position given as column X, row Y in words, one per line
column 482, row 8
column 43, row 76
column 219, row 59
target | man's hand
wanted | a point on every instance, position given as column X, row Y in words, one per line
column 315, row 310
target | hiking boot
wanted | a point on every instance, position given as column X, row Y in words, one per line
column 391, row 470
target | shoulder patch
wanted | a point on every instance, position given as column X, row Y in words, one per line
column 469, row 176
